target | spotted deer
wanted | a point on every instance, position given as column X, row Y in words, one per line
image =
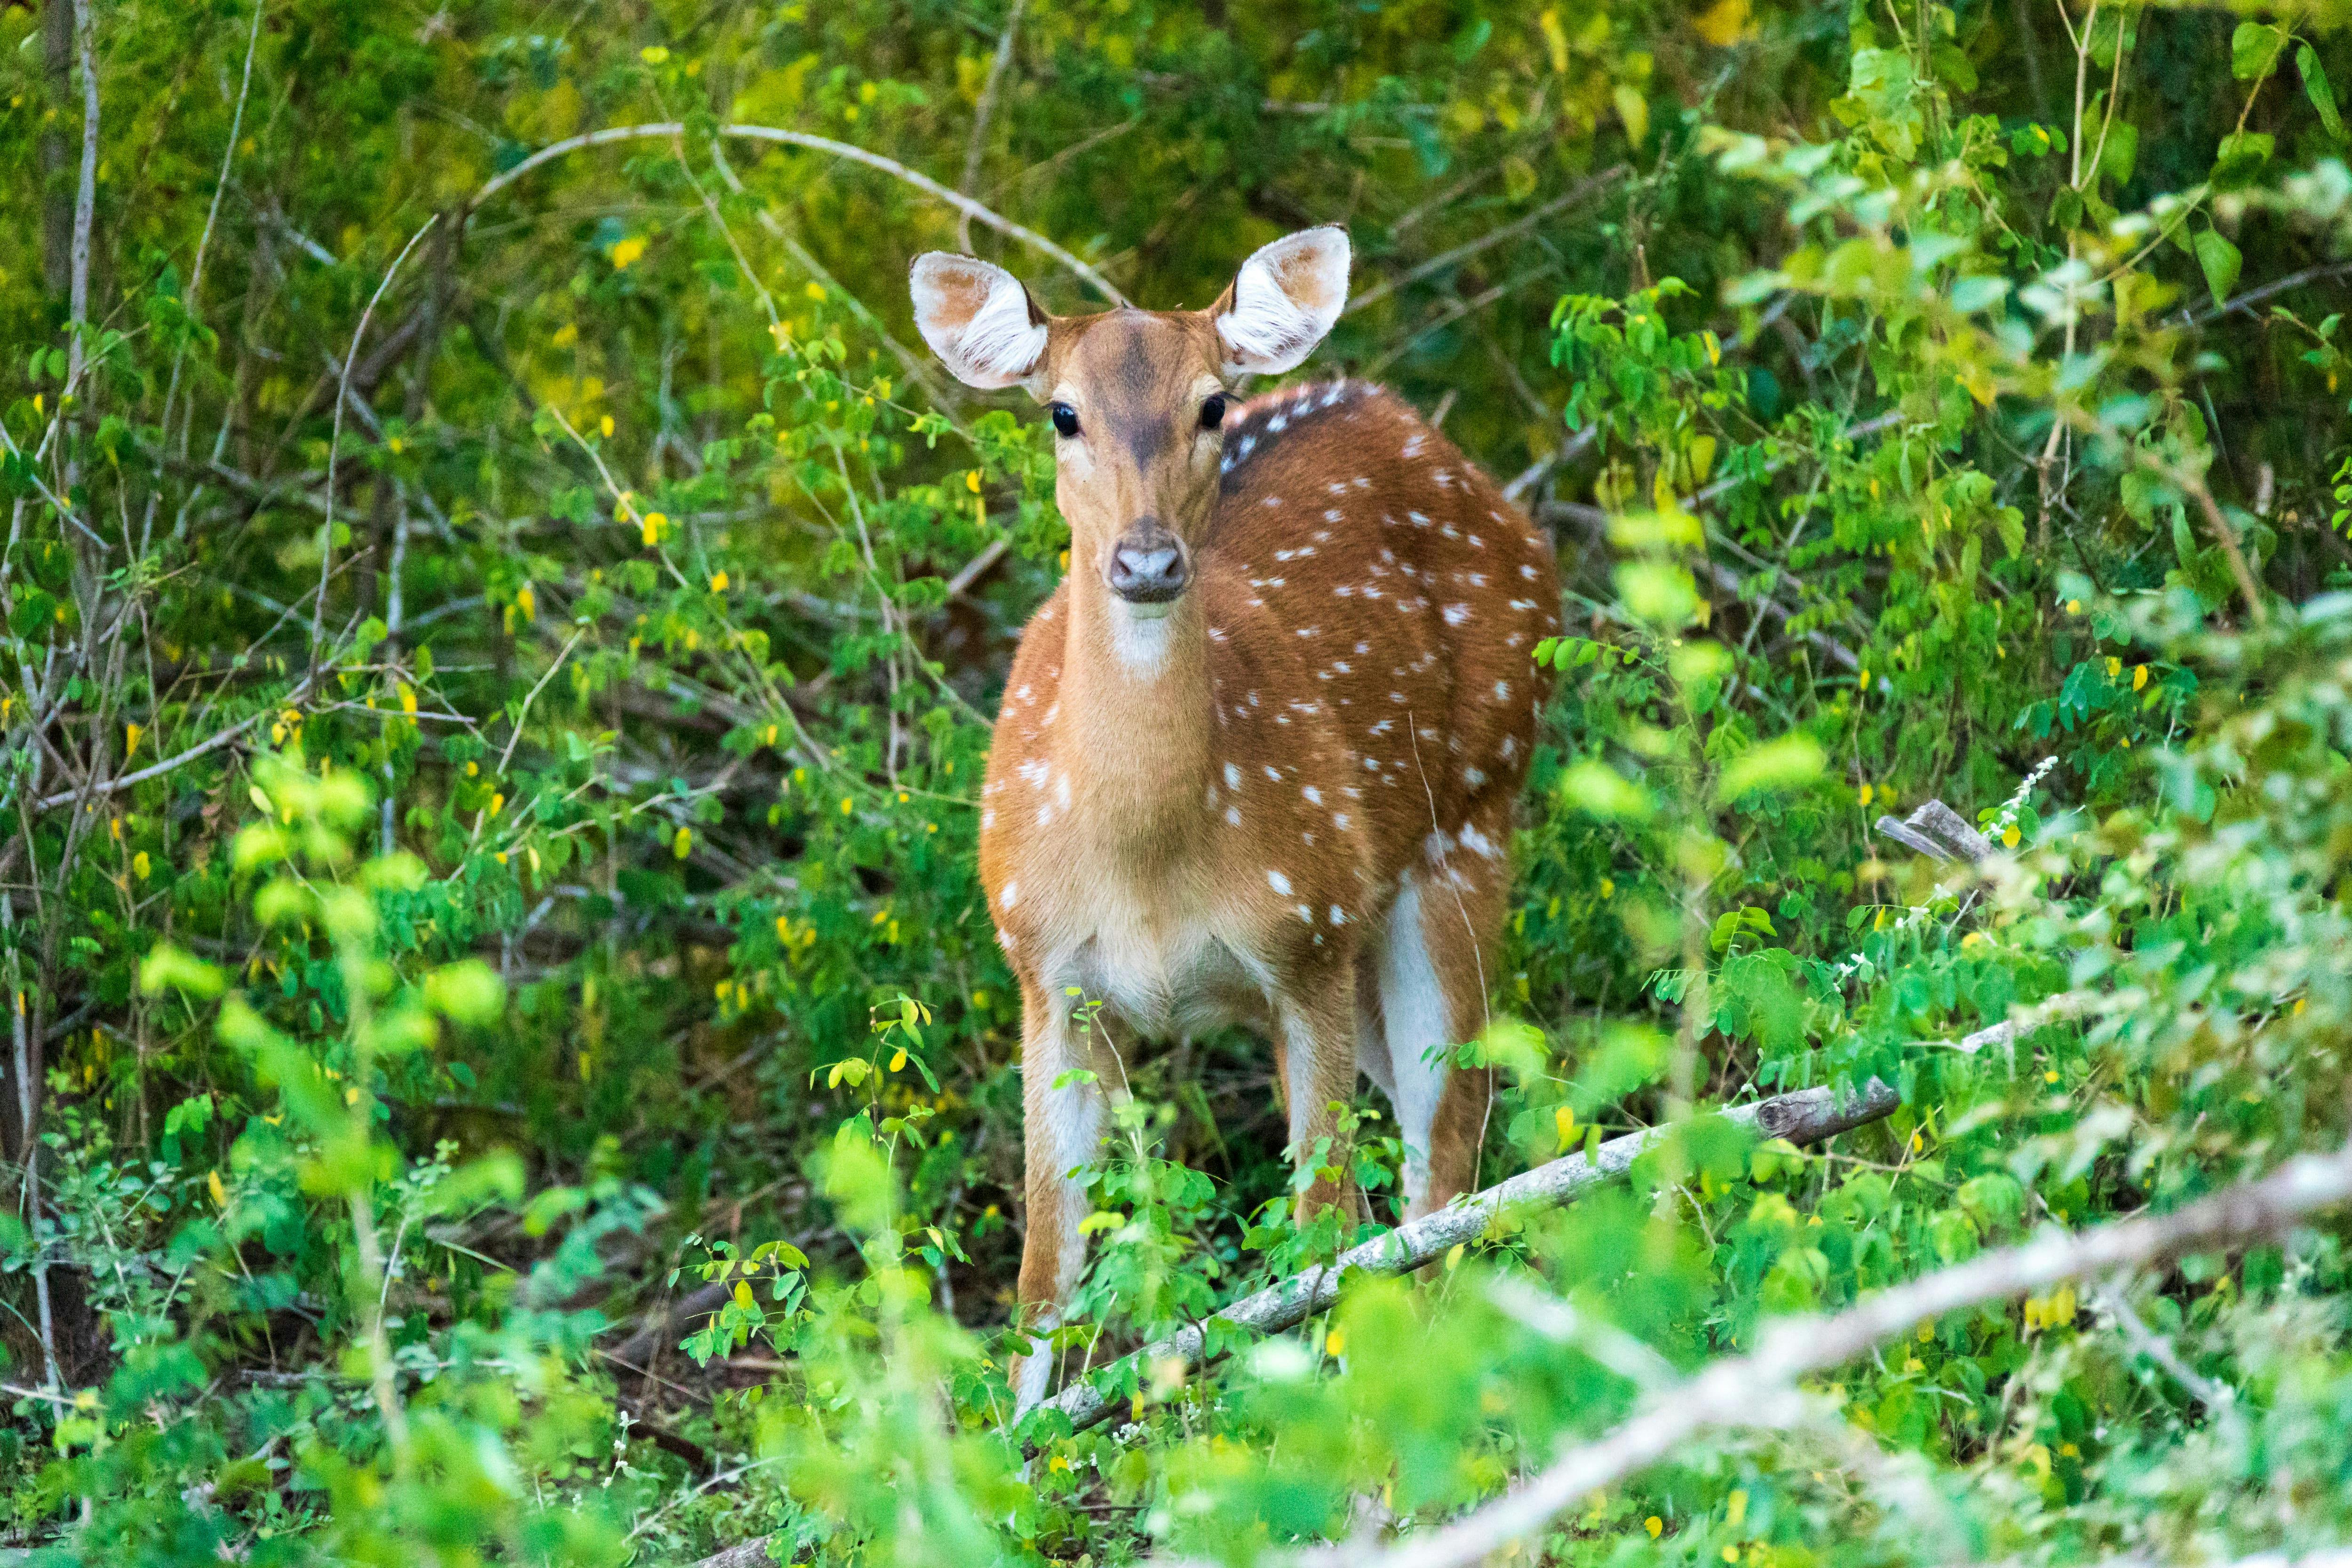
column 1258, row 752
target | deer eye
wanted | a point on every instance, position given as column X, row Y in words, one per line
column 1065, row 418
column 1213, row 411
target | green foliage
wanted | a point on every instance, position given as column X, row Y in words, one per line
column 494, row 688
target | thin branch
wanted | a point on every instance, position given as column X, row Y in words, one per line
column 889, row 166
column 983, row 114
column 85, row 195
column 1758, row 1389
column 1464, row 252
column 334, row 440
column 157, row 769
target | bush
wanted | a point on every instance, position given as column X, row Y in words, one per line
column 510, row 1060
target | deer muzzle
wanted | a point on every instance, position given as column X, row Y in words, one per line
column 1149, row 564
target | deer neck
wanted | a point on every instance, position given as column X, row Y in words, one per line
column 1137, row 710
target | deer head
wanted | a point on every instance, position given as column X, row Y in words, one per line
column 1135, row 396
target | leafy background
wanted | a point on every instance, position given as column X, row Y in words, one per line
column 508, row 1062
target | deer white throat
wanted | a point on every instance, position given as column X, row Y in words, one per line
column 1142, row 635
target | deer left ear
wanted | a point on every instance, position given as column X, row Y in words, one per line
column 1283, row 301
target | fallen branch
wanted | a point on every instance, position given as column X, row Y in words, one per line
column 1758, row 1389
column 1808, row 1116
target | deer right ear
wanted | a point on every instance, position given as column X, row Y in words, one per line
column 978, row 319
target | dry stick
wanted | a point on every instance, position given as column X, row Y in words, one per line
column 19, row 1029
column 1464, row 252
column 890, row 166
column 156, row 769
column 1760, row 1388
column 983, row 114
column 335, row 439
column 1808, row 1116
column 85, row 195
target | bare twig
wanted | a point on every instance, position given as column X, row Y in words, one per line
column 157, row 769
column 983, row 113
column 335, row 438
column 1584, row 188
column 85, row 195
column 890, row 166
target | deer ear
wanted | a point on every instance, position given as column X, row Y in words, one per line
column 1283, row 301
column 978, row 319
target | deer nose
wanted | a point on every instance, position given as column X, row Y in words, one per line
column 1147, row 565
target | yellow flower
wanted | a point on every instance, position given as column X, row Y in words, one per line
column 407, row 698
column 972, row 481
column 2010, row 836
column 130, row 734
column 605, row 426
column 718, row 582
column 1865, row 794
column 654, row 522
column 1335, row 1342
column 682, row 845
column 2074, row 607
column 213, row 1185
column 627, row 251
column 1654, row 1525
column 498, row 802
column 566, row 335
column 140, row 866
column 1563, row 1121
column 846, row 806
column 527, row 601
column 2139, row 676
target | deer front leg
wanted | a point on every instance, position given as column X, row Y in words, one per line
column 1061, row 1129
column 1316, row 1057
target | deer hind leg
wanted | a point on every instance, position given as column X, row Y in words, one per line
column 1438, row 956
column 1061, row 1130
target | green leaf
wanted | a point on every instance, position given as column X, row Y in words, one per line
column 468, row 991
column 2221, row 261
column 1787, row 763
column 2316, row 87
column 2255, row 49
column 168, row 968
column 2120, row 155
column 1605, row 793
